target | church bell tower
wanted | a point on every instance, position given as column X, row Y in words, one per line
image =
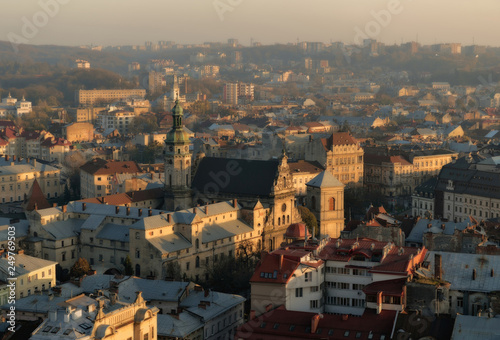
column 177, row 164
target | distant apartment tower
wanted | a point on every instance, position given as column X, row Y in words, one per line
column 232, row 42
column 135, row 66
column 233, row 91
column 411, row 47
column 80, row 63
column 236, row 57
column 91, row 97
column 308, row 63
column 453, row 48
column 156, row 82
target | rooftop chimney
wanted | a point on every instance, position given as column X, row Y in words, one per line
column 128, row 211
column 438, row 265
column 64, row 208
column 474, row 274
column 117, row 209
column 235, row 203
column 84, row 206
column 54, row 205
column 315, row 322
column 169, row 218
column 139, row 212
column 150, row 212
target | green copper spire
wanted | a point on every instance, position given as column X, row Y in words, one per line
column 177, row 114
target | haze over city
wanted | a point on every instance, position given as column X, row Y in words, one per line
column 249, row 169
column 126, row 22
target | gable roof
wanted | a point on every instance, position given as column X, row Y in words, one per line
column 102, row 167
column 338, row 138
column 235, row 176
column 35, row 198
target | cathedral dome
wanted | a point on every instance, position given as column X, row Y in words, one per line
column 296, row 231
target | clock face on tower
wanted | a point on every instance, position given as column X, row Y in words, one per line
column 283, row 207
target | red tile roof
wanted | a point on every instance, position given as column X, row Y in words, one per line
column 337, row 139
column 35, row 199
column 388, row 287
column 400, row 261
column 127, row 198
column 379, row 159
column 269, row 269
column 344, row 249
column 280, row 324
column 305, row 166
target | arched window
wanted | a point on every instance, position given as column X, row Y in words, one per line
column 288, row 219
column 284, row 181
column 313, row 203
column 279, row 220
column 197, row 263
column 284, row 219
column 331, row 203
column 197, row 242
column 259, row 245
column 137, row 270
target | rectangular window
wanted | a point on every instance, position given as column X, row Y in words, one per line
column 298, row 292
column 313, row 304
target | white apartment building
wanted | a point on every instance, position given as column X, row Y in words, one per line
column 344, row 276
column 32, row 274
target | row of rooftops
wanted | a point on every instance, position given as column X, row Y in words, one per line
column 192, row 304
column 378, row 257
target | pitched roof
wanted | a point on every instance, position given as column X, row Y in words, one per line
column 102, row 167
column 280, row 323
column 235, row 176
column 338, row 138
column 269, row 269
column 324, row 180
column 305, row 166
column 35, row 199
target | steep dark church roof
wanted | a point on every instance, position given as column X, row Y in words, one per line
column 35, row 199
column 235, row 176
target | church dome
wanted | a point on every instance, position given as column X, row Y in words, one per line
column 296, row 231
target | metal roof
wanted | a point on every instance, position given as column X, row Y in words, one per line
column 64, row 229
column 114, row 232
column 469, row 327
column 458, row 268
column 223, row 230
column 170, row 243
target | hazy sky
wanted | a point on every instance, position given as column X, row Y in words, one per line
column 121, row 22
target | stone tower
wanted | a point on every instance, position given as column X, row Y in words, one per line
column 325, row 199
column 177, row 164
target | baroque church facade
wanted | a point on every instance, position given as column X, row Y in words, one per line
column 207, row 180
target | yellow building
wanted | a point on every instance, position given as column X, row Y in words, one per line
column 341, row 154
column 31, row 274
column 99, row 177
column 91, row 97
column 391, row 175
column 17, row 177
column 325, row 199
column 428, row 163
